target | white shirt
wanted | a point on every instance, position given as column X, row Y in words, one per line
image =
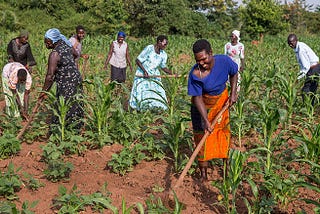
column 10, row 72
column 118, row 57
column 236, row 52
column 305, row 57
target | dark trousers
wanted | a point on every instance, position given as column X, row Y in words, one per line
column 311, row 84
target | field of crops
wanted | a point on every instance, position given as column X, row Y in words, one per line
column 273, row 165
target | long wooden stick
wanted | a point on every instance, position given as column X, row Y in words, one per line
column 196, row 151
column 84, row 68
column 34, row 111
column 163, row 76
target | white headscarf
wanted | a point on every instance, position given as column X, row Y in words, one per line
column 237, row 34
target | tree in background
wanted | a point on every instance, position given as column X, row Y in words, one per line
column 300, row 17
column 262, row 16
column 154, row 17
column 224, row 17
column 198, row 18
column 8, row 20
column 105, row 17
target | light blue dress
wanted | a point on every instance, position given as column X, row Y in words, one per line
column 148, row 92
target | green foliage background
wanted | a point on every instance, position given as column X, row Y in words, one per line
column 153, row 17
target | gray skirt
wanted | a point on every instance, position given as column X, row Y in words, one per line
column 118, row 74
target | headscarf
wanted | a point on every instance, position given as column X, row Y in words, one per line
column 237, row 34
column 122, row 34
column 24, row 33
column 54, row 35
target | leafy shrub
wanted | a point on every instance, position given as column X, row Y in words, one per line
column 58, row 170
column 124, row 161
column 9, row 145
column 10, row 182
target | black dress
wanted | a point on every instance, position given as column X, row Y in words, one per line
column 22, row 54
column 69, row 85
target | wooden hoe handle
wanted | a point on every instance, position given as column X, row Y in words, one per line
column 34, row 111
column 162, row 76
column 197, row 149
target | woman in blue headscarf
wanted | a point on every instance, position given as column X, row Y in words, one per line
column 63, row 70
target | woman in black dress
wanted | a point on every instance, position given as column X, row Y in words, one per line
column 63, row 70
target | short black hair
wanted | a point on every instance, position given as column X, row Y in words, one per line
column 161, row 38
column 292, row 37
column 80, row 27
column 200, row 45
column 22, row 73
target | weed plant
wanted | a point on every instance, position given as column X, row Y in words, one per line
column 31, row 182
column 8, row 207
column 9, row 145
column 74, row 202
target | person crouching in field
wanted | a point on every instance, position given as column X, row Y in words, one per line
column 309, row 67
column 207, row 86
column 16, row 84
column 63, row 70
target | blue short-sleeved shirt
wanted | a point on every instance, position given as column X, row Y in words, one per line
column 215, row 82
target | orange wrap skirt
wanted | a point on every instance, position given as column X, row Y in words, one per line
column 217, row 143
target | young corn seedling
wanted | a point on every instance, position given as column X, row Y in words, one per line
column 239, row 117
column 60, row 108
column 176, row 122
column 99, row 108
column 231, row 182
column 288, row 91
column 269, row 119
column 311, row 182
column 309, row 137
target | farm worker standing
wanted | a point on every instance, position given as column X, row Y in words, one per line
column 16, row 84
column 63, row 70
column 207, row 86
column 148, row 92
column 309, row 66
column 235, row 50
column 76, row 44
column 19, row 50
column 118, row 56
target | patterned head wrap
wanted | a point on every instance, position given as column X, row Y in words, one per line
column 54, row 35
column 122, row 34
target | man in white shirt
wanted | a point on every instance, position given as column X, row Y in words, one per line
column 309, row 66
